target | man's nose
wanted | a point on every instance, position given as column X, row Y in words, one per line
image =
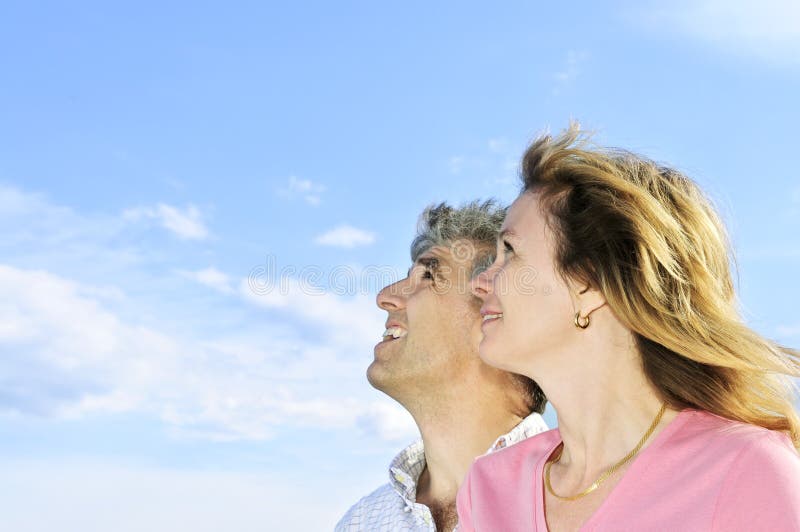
column 391, row 297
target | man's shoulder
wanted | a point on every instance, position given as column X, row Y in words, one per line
column 530, row 448
column 380, row 502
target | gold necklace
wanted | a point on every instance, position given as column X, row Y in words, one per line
column 608, row 472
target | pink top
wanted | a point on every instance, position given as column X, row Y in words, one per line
column 701, row 472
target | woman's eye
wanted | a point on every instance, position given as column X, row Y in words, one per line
column 507, row 248
column 427, row 274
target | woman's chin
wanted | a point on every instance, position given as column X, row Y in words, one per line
column 493, row 355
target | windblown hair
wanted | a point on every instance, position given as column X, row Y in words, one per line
column 477, row 222
column 648, row 239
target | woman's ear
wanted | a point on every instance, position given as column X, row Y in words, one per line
column 586, row 299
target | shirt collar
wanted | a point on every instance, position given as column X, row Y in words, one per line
column 405, row 470
column 530, row 426
column 408, row 465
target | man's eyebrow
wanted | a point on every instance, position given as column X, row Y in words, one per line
column 429, row 262
column 432, row 263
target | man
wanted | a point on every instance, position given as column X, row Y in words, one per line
column 428, row 361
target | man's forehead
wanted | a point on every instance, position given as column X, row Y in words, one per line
column 433, row 257
column 436, row 254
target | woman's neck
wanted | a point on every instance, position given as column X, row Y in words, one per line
column 603, row 399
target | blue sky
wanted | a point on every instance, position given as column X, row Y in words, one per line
column 156, row 160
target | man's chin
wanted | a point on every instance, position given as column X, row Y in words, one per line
column 385, row 379
column 378, row 375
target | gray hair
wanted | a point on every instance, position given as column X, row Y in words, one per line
column 477, row 222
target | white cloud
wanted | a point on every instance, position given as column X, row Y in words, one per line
column 768, row 30
column 345, row 236
column 32, row 225
column 305, row 188
column 390, row 421
column 494, row 163
column 89, row 329
column 14, row 201
column 185, row 223
column 343, row 318
column 67, row 355
column 211, row 277
column 570, row 70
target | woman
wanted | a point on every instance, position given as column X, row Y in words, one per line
column 612, row 290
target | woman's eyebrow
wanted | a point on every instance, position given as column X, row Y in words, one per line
column 506, row 233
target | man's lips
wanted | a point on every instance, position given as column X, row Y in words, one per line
column 390, row 338
column 394, row 331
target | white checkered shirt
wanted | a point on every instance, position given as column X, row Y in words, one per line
column 393, row 506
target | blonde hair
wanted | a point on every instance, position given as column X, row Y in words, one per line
column 652, row 243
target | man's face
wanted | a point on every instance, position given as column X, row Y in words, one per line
column 436, row 320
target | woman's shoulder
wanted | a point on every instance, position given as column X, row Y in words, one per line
column 760, row 481
column 731, row 445
column 717, row 431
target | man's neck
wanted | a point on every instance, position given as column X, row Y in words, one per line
column 453, row 436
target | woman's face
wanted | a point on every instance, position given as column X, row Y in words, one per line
column 527, row 307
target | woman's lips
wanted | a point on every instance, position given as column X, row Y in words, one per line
column 490, row 317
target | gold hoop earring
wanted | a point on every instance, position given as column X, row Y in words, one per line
column 581, row 324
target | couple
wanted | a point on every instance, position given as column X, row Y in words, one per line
column 607, row 283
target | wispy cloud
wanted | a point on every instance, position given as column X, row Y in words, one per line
column 768, row 30
column 69, row 355
column 14, row 201
column 345, row 236
column 498, row 145
column 111, row 336
column 306, row 189
column 569, row 72
column 789, row 331
column 343, row 318
column 211, row 277
column 184, row 223
column 494, row 163
column 455, row 164
column 388, row 421
column 30, row 218
column 95, row 247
